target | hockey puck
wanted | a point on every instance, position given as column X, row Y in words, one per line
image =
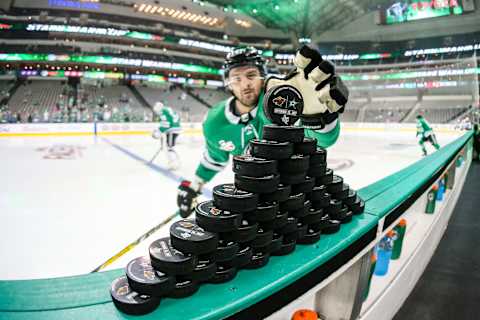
column 258, row 260
column 319, row 157
column 286, row 248
column 130, row 302
column 283, row 104
column 292, row 178
column 214, row 219
column 329, row 226
column 276, row 243
column 266, row 184
column 301, row 229
column 281, row 194
column 336, row 184
column 264, row 237
column 283, row 133
column 246, row 232
column 188, row 237
column 279, row 221
column 314, row 216
column 289, row 227
column 334, row 207
column 203, row 271
column 308, row 146
column 223, row 274
column 323, row 202
column 317, row 170
column 247, row 165
column 340, row 214
column 266, row 211
column 228, row 197
column 343, row 194
column 298, row 163
column 310, row 237
column 317, row 194
column 271, row 150
column 351, row 198
column 302, row 212
column 166, row 259
column 243, row 257
column 294, row 202
column 325, row 179
column 226, row 250
column 358, row 206
column 184, row 288
column 290, row 237
column 304, row 187
column 143, row 279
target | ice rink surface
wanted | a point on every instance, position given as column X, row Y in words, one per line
column 67, row 204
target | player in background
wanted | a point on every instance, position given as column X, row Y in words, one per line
column 170, row 127
column 232, row 123
column 425, row 133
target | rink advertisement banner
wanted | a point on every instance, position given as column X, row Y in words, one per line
column 46, row 129
column 125, row 128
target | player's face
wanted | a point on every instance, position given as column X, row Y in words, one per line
column 246, row 83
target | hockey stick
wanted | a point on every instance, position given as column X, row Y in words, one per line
column 135, row 243
column 158, row 151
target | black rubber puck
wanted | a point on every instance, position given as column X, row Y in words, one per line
column 290, row 237
column 266, row 211
column 243, row 257
column 143, row 279
column 318, row 193
column 351, row 198
column 308, row 146
column 266, row 184
column 228, row 197
column 247, row 165
column 319, row 157
column 358, row 206
column 276, row 243
column 343, row 194
column 310, row 237
column 323, row 202
column 188, row 237
column 330, row 226
column 289, row 227
column 214, row 219
column 226, row 250
column 246, row 232
column 325, row 179
column 166, row 259
column 203, row 271
column 305, row 187
column 281, row 194
column 283, row 104
column 302, row 212
column 298, row 163
column 292, row 178
column 130, row 302
column 258, row 260
column 285, row 249
column 340, row 214
column 271, row 150
column 264, row 237
column 184, row 288
column 294, row 202
column 317, row 170
column 283, row 133
column 223, row 274
column 279, row 221
column 334, row 207
column 336, row 184
column 314, row 216
column 301, row 229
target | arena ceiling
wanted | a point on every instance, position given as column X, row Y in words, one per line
column 304, row 17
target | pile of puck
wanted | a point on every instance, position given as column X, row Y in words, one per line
column 283, row 195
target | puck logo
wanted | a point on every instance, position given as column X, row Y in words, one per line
column 123, row 291
column 186, row 224
column 149, row 274
column 215, row 211
column 283, row 105
column 226, row 145
column 279, row 101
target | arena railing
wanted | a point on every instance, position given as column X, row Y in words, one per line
column 330, row 276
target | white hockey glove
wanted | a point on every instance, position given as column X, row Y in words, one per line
column 315, row 83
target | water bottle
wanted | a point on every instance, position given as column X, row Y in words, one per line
column 441, row 190
column 431, row 196
column 384, row 253
column 373, row 263
column 399, row 229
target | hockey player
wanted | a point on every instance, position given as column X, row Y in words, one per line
column 232, row 123
column 425, row 133
column 170, row 126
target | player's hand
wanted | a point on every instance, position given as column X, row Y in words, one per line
column 324, row 93
column 186, row 198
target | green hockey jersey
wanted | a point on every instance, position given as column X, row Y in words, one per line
column 226, row 134
column 169, row 121
column 423, row 128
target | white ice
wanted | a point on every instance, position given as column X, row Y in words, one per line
column 62, row 217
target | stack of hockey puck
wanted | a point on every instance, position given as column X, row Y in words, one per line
column 283, row 195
